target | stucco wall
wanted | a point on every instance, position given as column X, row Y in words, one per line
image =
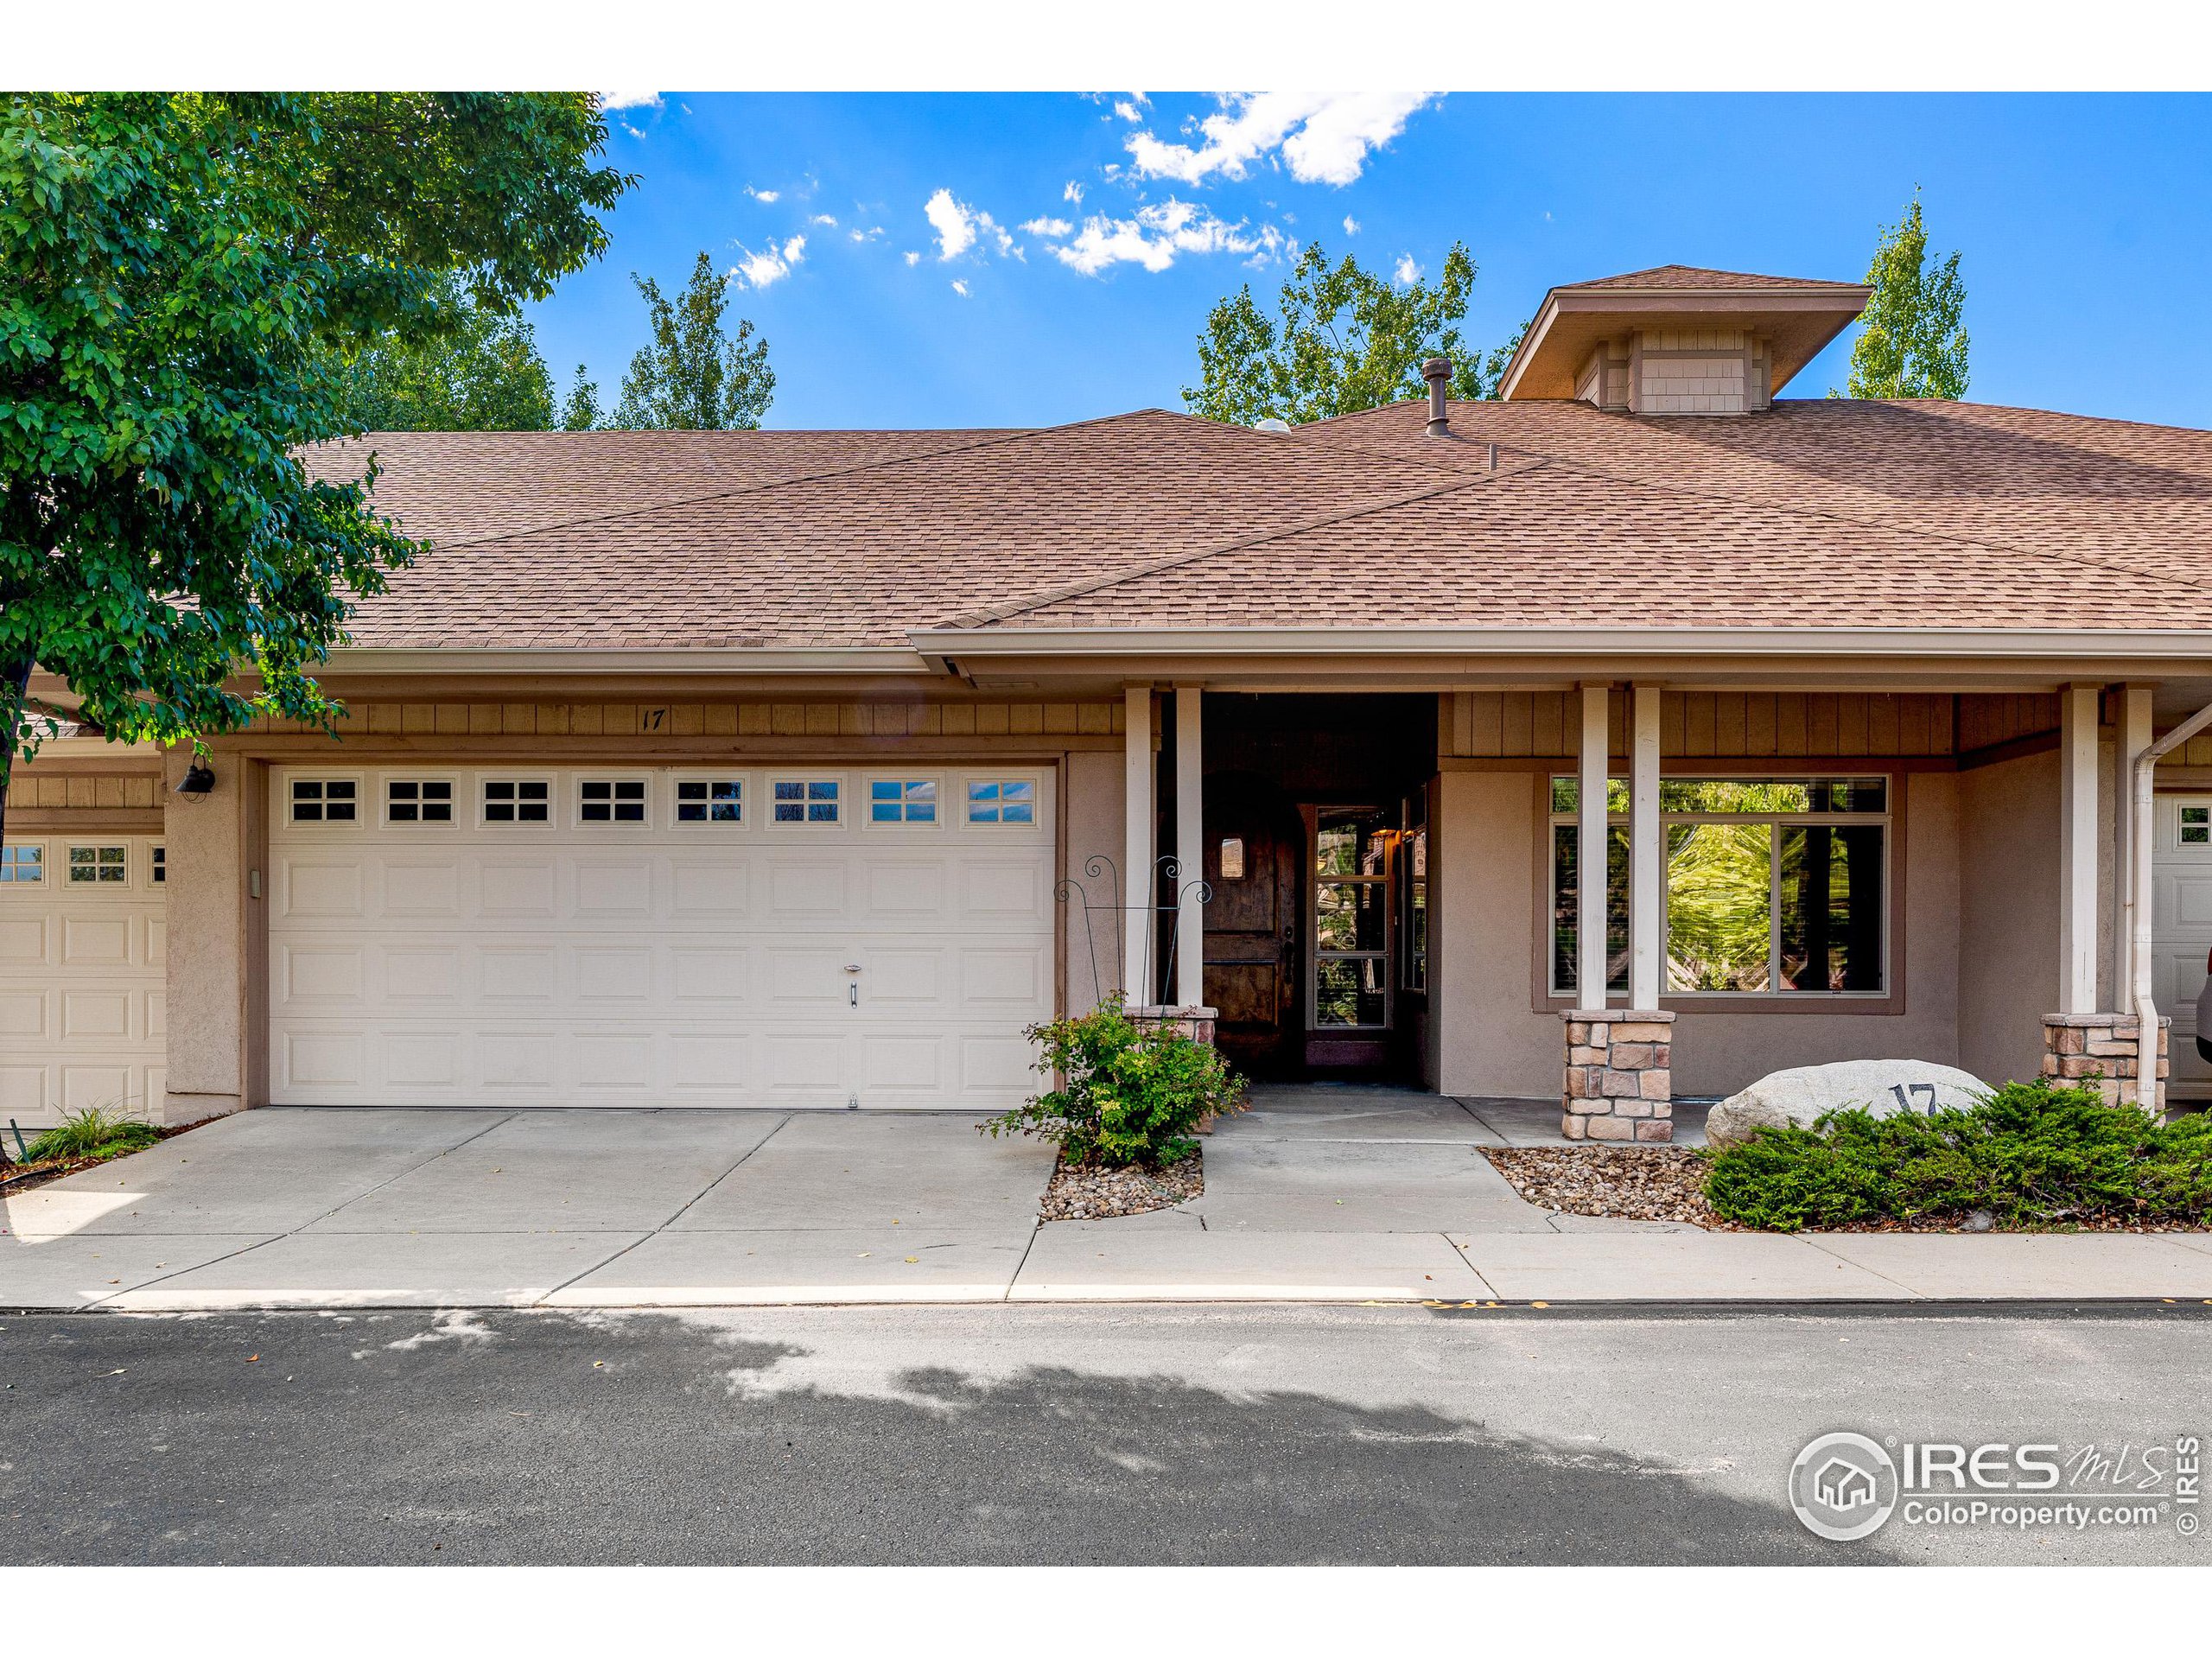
column 2008, row 914
column 1094, row 822
column 208, row 930
column 1493, row 1041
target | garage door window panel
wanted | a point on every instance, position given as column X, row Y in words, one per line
column 906, row 801
column 814, row 801
column 325, row 800
column 22, row 866
column 710, row 801
column 418, row 800
column 518, row 800
column 1002, row 800
column 100, row 865
column 611, row 801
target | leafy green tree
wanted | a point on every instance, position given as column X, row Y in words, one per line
column 695, row 374
column 1342, row 339
column 582, row 412
column 176, row 271
column 1912, row 338
column 481, row 372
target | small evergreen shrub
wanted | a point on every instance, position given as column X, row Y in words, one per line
column 1127, row 1094
column 95, row 1132
column 2032, row 1155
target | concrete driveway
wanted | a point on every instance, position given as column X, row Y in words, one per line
column 1318, row 1193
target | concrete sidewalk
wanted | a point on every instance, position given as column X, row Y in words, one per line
column 1318, row 1194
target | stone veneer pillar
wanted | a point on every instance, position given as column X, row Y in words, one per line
column 2101, row 1049
column 1620, row 1081
column 1197, row 1023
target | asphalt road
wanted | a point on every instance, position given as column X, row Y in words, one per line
column 1139, row 1434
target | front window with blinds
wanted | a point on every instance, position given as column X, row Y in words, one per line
column 1773, row 885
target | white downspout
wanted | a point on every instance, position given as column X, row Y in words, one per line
column 2141, row 898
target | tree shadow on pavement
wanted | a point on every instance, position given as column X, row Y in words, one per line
column 521, row 1438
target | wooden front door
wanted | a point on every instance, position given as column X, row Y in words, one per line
column 1254, row 837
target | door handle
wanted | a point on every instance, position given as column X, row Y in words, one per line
column 853, row 995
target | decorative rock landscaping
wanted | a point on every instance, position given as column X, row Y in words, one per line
column 1800, row 1094
column 1078, row 1194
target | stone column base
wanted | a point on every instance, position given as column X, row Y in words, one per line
column 1620, row 1080
column 2100, row 1051
column 1195, row 1023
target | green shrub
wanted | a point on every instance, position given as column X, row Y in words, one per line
column 2032, row 1155
column 1127, row 1094
column 94, row 1132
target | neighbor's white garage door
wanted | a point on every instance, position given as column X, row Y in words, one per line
column 82, row 975
column 817, row 936
column 2181, row 931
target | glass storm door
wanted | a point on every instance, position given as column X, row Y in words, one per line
column 1349, row 989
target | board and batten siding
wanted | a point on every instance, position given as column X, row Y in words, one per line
column 1730, row 725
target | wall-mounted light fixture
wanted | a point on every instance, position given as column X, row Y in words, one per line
column 198, row 778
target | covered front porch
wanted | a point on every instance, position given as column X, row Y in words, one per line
column 1387, row 884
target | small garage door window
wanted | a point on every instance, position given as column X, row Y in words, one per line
column 710, row 800
column 902, row 800
column 518, row 800
column 324, row 800
column 109, row 866
column 1002, row 800
column 20, row 865
column 807, row 800
column 418, row 800
column 612, row 800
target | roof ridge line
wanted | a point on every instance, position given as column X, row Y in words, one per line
column 1013, row 436
column 1100, row 584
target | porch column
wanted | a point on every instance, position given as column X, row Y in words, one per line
column 1645, row 855
column 1189, row 851
column 2077, row 849
column 1591, row 861
column 1137, row 988
column 2134, row 736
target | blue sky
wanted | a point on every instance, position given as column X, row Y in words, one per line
column 2085, row 223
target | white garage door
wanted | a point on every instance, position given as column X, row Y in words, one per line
column 815, row 937
column 2181, row 931
column 81, row 974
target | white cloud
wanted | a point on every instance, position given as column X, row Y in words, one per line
column 770, row 265
column 1045, row 227
column 1159, row 234
column 960, row 287
column 763, row 195
column 1128, row 111
column 1324, row 137
column 1407, row 272
column 913, row 258
column 630, row 101
column 960, row 227
column 1073, row 193
column 824, row 218
column 868, row 235
column 1351, row 225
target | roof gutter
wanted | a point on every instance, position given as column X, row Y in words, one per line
column 2031, row 643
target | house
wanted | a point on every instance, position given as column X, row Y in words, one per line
column 1844, row 1486
column 808, row 768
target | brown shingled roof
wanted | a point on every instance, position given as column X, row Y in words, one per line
column 1663, row 277
column 1834, row 513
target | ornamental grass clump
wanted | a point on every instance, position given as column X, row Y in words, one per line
column 95, row 1132
column 1128, row 1093
column 2032, row 1156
